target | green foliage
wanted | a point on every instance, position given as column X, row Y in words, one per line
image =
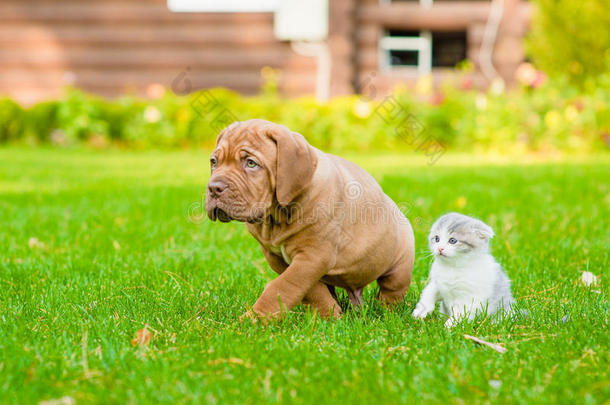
column 80, row 116
column 571, row 38
column 94, row 245
column 11, row 120
column 42, row 120
column 553, row 116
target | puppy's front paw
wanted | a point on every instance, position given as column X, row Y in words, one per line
column 249, row 316
column 420, row 311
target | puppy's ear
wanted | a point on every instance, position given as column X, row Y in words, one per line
column 296, row 163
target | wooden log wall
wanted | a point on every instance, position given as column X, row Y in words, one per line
column 114, row 46
column 373, row 18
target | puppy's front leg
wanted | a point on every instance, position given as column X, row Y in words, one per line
column 320, row 299
column 290, row 287
column 276, row 263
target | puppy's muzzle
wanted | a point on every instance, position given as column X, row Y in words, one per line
column 221, row 215
column 216, row 188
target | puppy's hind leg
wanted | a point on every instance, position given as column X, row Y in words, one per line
column 355, row 297
column 394, row 284
column 321, row 298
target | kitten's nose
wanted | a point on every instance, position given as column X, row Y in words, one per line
column 440, row 250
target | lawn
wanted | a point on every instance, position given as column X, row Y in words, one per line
column 94, row 245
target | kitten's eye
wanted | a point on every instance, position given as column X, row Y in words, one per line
column 453, row 241
column 251, row 163
column 437, row 239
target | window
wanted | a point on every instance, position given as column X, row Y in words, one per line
column 403, row 58
column 422, row 50
column 448, row 48
column 400, row 48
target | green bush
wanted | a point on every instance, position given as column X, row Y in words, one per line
column 11, row 120
column 42, row 121
column 571, row 38
column 81, row 116
column 553, row 116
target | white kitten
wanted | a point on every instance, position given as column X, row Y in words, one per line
column 464, row 276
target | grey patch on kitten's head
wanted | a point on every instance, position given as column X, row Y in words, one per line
column 454, row 234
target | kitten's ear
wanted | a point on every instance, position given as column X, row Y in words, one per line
column 483, row 231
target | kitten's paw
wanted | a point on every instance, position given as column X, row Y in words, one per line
column 451, row 322
column 420, row 311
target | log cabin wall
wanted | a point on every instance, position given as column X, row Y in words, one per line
column 374, row 18
column 110, row 47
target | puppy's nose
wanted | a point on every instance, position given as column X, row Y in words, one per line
column 216, row 188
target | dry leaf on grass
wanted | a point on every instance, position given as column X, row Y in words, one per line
column 143, row 337
column 588, row 278
column 230, row 360
column 494, row 346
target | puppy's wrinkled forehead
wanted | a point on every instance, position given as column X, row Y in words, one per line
column 250, row 135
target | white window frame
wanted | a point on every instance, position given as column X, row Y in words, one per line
column 421, row 44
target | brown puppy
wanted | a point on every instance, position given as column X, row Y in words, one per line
column 321, row 220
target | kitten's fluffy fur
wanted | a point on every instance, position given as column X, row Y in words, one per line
column 464, row 276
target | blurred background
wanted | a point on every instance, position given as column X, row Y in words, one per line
column 502, row 75
column 115, row 287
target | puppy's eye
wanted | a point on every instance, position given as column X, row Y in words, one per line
column 437, row 239
column 213, row 162
column 251, row 163
column 453, row 241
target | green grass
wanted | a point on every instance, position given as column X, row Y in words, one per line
column 114, row 250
